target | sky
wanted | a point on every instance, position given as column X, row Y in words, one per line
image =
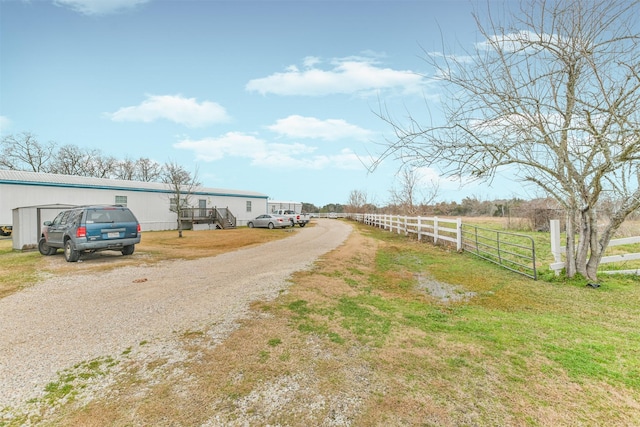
column 274, row 96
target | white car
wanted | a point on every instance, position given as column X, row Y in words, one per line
column 270, row 221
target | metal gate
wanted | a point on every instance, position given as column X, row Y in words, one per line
column 515, row 252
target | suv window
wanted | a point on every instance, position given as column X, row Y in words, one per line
column 62, row 218
column 65, row 218
column 109, row 215
column 122, row 216
column 56, row 220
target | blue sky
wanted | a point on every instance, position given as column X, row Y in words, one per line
column 271, row 96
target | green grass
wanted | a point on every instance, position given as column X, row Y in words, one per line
column 514, row 329
column 520, row 352
column 70, row 381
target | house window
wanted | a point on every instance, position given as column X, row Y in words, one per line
column 248, row 206
column 121, row 200
column 173, row 206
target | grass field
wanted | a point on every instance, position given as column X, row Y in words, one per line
column 357, row 341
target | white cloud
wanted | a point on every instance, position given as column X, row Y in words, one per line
column 5, row 123
column 268, row 155
column 99, row 7
column 311, row 61
column 428, row 177
column 347, row 76
column 457, row 59
column 309, row 127
column 176, row 108
column 234, row 144
column 521, row 40
column 346, row 159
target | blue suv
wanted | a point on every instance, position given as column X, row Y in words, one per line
column 90, row 229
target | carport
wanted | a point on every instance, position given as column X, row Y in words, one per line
column 27, row 224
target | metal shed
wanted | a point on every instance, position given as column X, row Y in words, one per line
column 25, row 236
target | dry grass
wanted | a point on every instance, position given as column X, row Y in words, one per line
column 19, row 270
column 25, row 268
column 353, row 343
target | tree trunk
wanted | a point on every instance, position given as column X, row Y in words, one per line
column 587, row 229
column 570, row 263
column 179, row 212
column 600, row 244
column 596, row 249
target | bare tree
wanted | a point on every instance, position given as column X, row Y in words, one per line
column 73, row 160
column 412, row 193
column 69, row 160
column 143, row 169
column 554, row 93
column 356, row 202
column 125, row 169
column 99, row 165
column 147, row 170
column 182, row 184
column 24, row 152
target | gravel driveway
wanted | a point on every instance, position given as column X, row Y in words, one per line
column 66, row 320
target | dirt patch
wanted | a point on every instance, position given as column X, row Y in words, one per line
column 444, row 292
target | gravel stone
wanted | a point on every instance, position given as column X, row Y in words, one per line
column 70, row 319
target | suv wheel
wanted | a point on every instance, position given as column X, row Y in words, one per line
column 46, row 249
column 128, row 250
column 70, row 254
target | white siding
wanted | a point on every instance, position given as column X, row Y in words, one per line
column 148, row 201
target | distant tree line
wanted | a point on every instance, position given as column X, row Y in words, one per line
column 330, row 207
column 521, row 214
column 24, row 152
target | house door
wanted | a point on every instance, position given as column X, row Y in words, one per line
column 202, row 205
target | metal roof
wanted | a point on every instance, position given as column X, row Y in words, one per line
column 56, row 180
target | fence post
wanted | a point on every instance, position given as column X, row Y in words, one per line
column 435, row 230
column 554, row 227
column 419, row 226
column 459, row 232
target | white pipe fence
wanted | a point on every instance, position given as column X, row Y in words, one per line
column 508, row 250
column 557, row 249
column 449, row 230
